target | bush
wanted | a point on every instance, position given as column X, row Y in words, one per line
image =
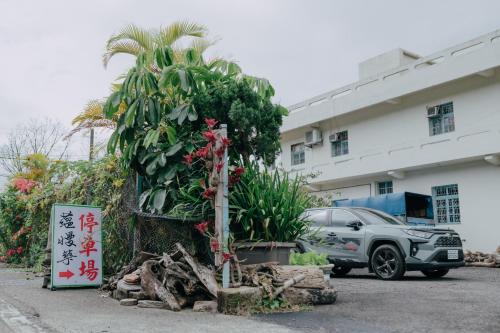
column 267, row 206
column 25, row 216
column 308, row 258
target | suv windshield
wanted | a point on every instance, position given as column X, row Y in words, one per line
column 372, row 217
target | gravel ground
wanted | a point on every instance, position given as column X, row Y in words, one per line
column 465, row 300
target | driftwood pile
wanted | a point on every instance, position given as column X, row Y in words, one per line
column 171, row 281
column 177, row 280
column 480, row 259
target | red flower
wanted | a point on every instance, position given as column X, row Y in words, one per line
column 210, row 122
column 11, row 252
column 19, row 250
column 214, row 244
column 220, row 152
column 239, row 171
column 209, row 193
column 226, row 257
column 219, row 166
column 203, row 152
column 24, row 185
column 225, row 141
column 202, row 227
column 210, row 136
column 188, row 159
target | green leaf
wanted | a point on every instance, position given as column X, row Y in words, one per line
column 159, row 199
column 182, row 115
column 151, row 168
column 183, row 79
column 144, row 196
column 191, row 113
column 113, row 141
column 112, row 104
column 174, row 149
column 130, row 114
column 152, row 114
column 162, row 160
column 167, row 174
column 171, row 135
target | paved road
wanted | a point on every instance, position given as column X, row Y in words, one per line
column 466, row 300
column 27, row 308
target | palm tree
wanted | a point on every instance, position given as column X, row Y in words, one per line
column 134, row 40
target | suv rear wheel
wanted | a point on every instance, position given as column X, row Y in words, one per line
column 340, row 270
column 387, row 262
column 435, row 273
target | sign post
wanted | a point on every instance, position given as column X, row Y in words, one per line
column 222, row 212
column 76, row 246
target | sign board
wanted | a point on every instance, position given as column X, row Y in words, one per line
column 76, row 246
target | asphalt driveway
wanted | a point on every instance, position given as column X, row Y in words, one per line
column 466, row 300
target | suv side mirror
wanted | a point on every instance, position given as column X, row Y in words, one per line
column 356, row 225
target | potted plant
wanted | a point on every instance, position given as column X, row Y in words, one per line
column 266, row 215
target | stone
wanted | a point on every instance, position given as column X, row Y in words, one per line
column 312, row 296
column 139, row 295
column 132, row 278
column 124, row 289
column 128, row 302
column 153, row 304
column 119, row 294
column 238, row 301
column 205, row 306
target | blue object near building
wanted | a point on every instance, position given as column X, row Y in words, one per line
column 411, row 208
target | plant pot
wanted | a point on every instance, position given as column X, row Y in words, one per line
column 261, row 252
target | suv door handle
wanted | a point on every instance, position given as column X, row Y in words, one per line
column 332, row 234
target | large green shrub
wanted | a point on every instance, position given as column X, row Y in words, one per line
column 162, row 107
column 267, row 206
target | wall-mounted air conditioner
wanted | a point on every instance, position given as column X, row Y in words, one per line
column 313, row 137
column 334, row 137
column 433, row 111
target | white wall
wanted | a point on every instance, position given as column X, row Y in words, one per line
column 479, row 195
column 396, row 137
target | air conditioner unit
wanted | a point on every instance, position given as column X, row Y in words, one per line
column 313, row 137
column 433, row 111
column 334, row 137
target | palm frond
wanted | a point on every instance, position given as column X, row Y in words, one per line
column 131, row 39
column 91, row 117
column 170, row 34
column 200, row 45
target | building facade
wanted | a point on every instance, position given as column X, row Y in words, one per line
column 429, row 125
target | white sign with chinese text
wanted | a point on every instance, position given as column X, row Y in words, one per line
column 76, row 246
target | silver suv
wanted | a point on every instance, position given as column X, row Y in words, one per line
column 362, row 237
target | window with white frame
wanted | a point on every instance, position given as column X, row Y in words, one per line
column 441, row 119
column 384, row 187
column 446, row 203
column 298, row 153
column 340, row 143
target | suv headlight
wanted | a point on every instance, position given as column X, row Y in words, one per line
column 418, row 233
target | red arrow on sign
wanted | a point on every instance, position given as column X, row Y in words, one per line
column 68, row 274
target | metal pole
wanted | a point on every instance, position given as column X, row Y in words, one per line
column 91, row 149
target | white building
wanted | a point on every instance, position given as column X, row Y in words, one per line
column 429, row 125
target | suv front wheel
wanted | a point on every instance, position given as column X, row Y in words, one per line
column 387, row 262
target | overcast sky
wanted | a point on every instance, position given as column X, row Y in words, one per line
column 50, row 51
